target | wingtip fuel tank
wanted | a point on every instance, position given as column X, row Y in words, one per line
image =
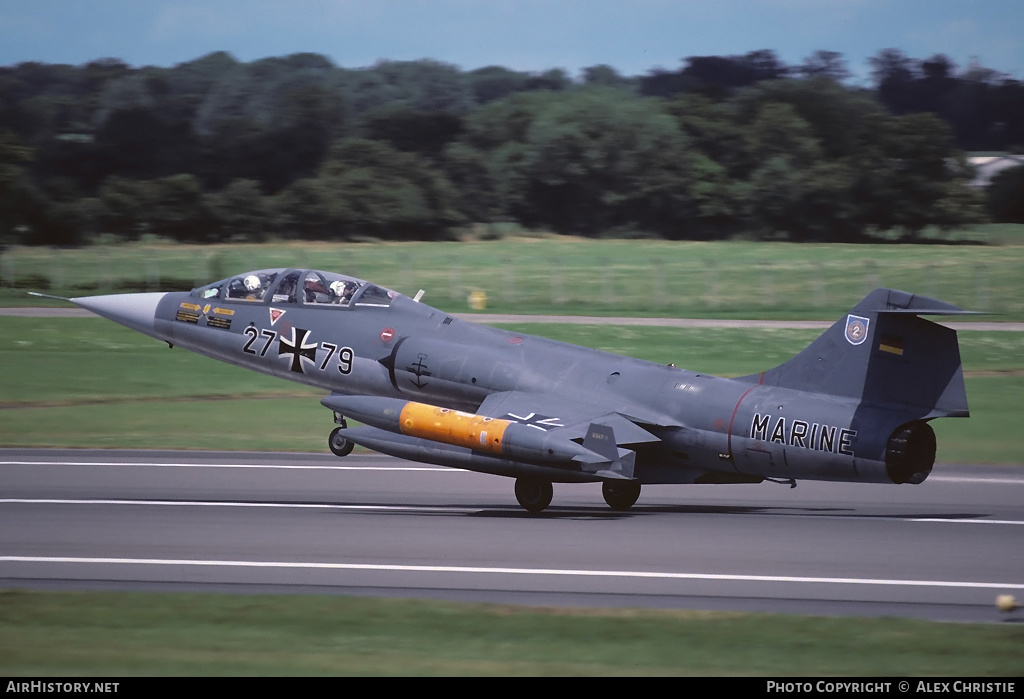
column 486, row 435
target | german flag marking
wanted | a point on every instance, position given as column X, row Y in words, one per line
column 892, row 345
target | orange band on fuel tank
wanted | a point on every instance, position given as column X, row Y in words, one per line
column 452, row 427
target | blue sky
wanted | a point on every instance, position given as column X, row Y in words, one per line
column 633, row 36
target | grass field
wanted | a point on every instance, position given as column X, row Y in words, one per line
column 129, row 634
column 566, row 275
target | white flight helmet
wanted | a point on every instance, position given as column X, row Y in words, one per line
column 252, row 283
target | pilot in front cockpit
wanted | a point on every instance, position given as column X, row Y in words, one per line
column 253, row 287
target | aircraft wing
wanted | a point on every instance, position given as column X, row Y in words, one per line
column 545, row 412
column 601, row 432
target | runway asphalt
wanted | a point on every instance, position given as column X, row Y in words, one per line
column 373, row 525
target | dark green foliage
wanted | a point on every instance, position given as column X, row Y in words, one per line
column 909, row 175
column 825, row 64
column 217, row 149
column 473, row 186
column 1006, row 196
column 715, row 76
column 137, row 142
column 369, row 189
column 16, row 191
column 604, row 75
column 984, row 108
column 599, row 159
column 412, row 131
column 494, row 82
column 238, row 212
column 170, row 207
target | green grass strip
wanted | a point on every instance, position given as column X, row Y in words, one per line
column 558, row 274
column 132, row 634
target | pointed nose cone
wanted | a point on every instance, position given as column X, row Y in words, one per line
column 136, row 311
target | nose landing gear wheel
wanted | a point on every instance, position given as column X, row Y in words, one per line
column 533, row 494
column 338, row 444
column 620, row 495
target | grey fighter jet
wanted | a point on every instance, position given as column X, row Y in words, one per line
column 853, row 406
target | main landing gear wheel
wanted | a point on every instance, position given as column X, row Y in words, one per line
column 533, row 494
column 620, row 495
column 338, row 444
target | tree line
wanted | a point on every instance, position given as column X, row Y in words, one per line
column 216, row 149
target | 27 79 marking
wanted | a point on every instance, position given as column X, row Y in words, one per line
column 345, row 354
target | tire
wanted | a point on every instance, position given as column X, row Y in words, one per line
column 338, row 444
column 620, row 495
column 533, row 494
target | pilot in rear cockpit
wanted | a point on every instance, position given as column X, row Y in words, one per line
column 341, row 293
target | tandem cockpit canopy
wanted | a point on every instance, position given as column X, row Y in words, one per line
column 303, row 286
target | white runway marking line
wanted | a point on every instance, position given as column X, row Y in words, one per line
column 509, row 571
column 438, row 469
column 281, row 505
column 967, row 479
column 389, row 508
column 965, row 521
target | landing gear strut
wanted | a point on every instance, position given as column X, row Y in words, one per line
column 533, row 494
column 620, row 495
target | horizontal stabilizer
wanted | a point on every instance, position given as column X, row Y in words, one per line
column 894, row 301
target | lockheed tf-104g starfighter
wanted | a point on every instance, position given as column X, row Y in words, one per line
column 426, row 386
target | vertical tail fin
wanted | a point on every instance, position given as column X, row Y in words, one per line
column 881, row 352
